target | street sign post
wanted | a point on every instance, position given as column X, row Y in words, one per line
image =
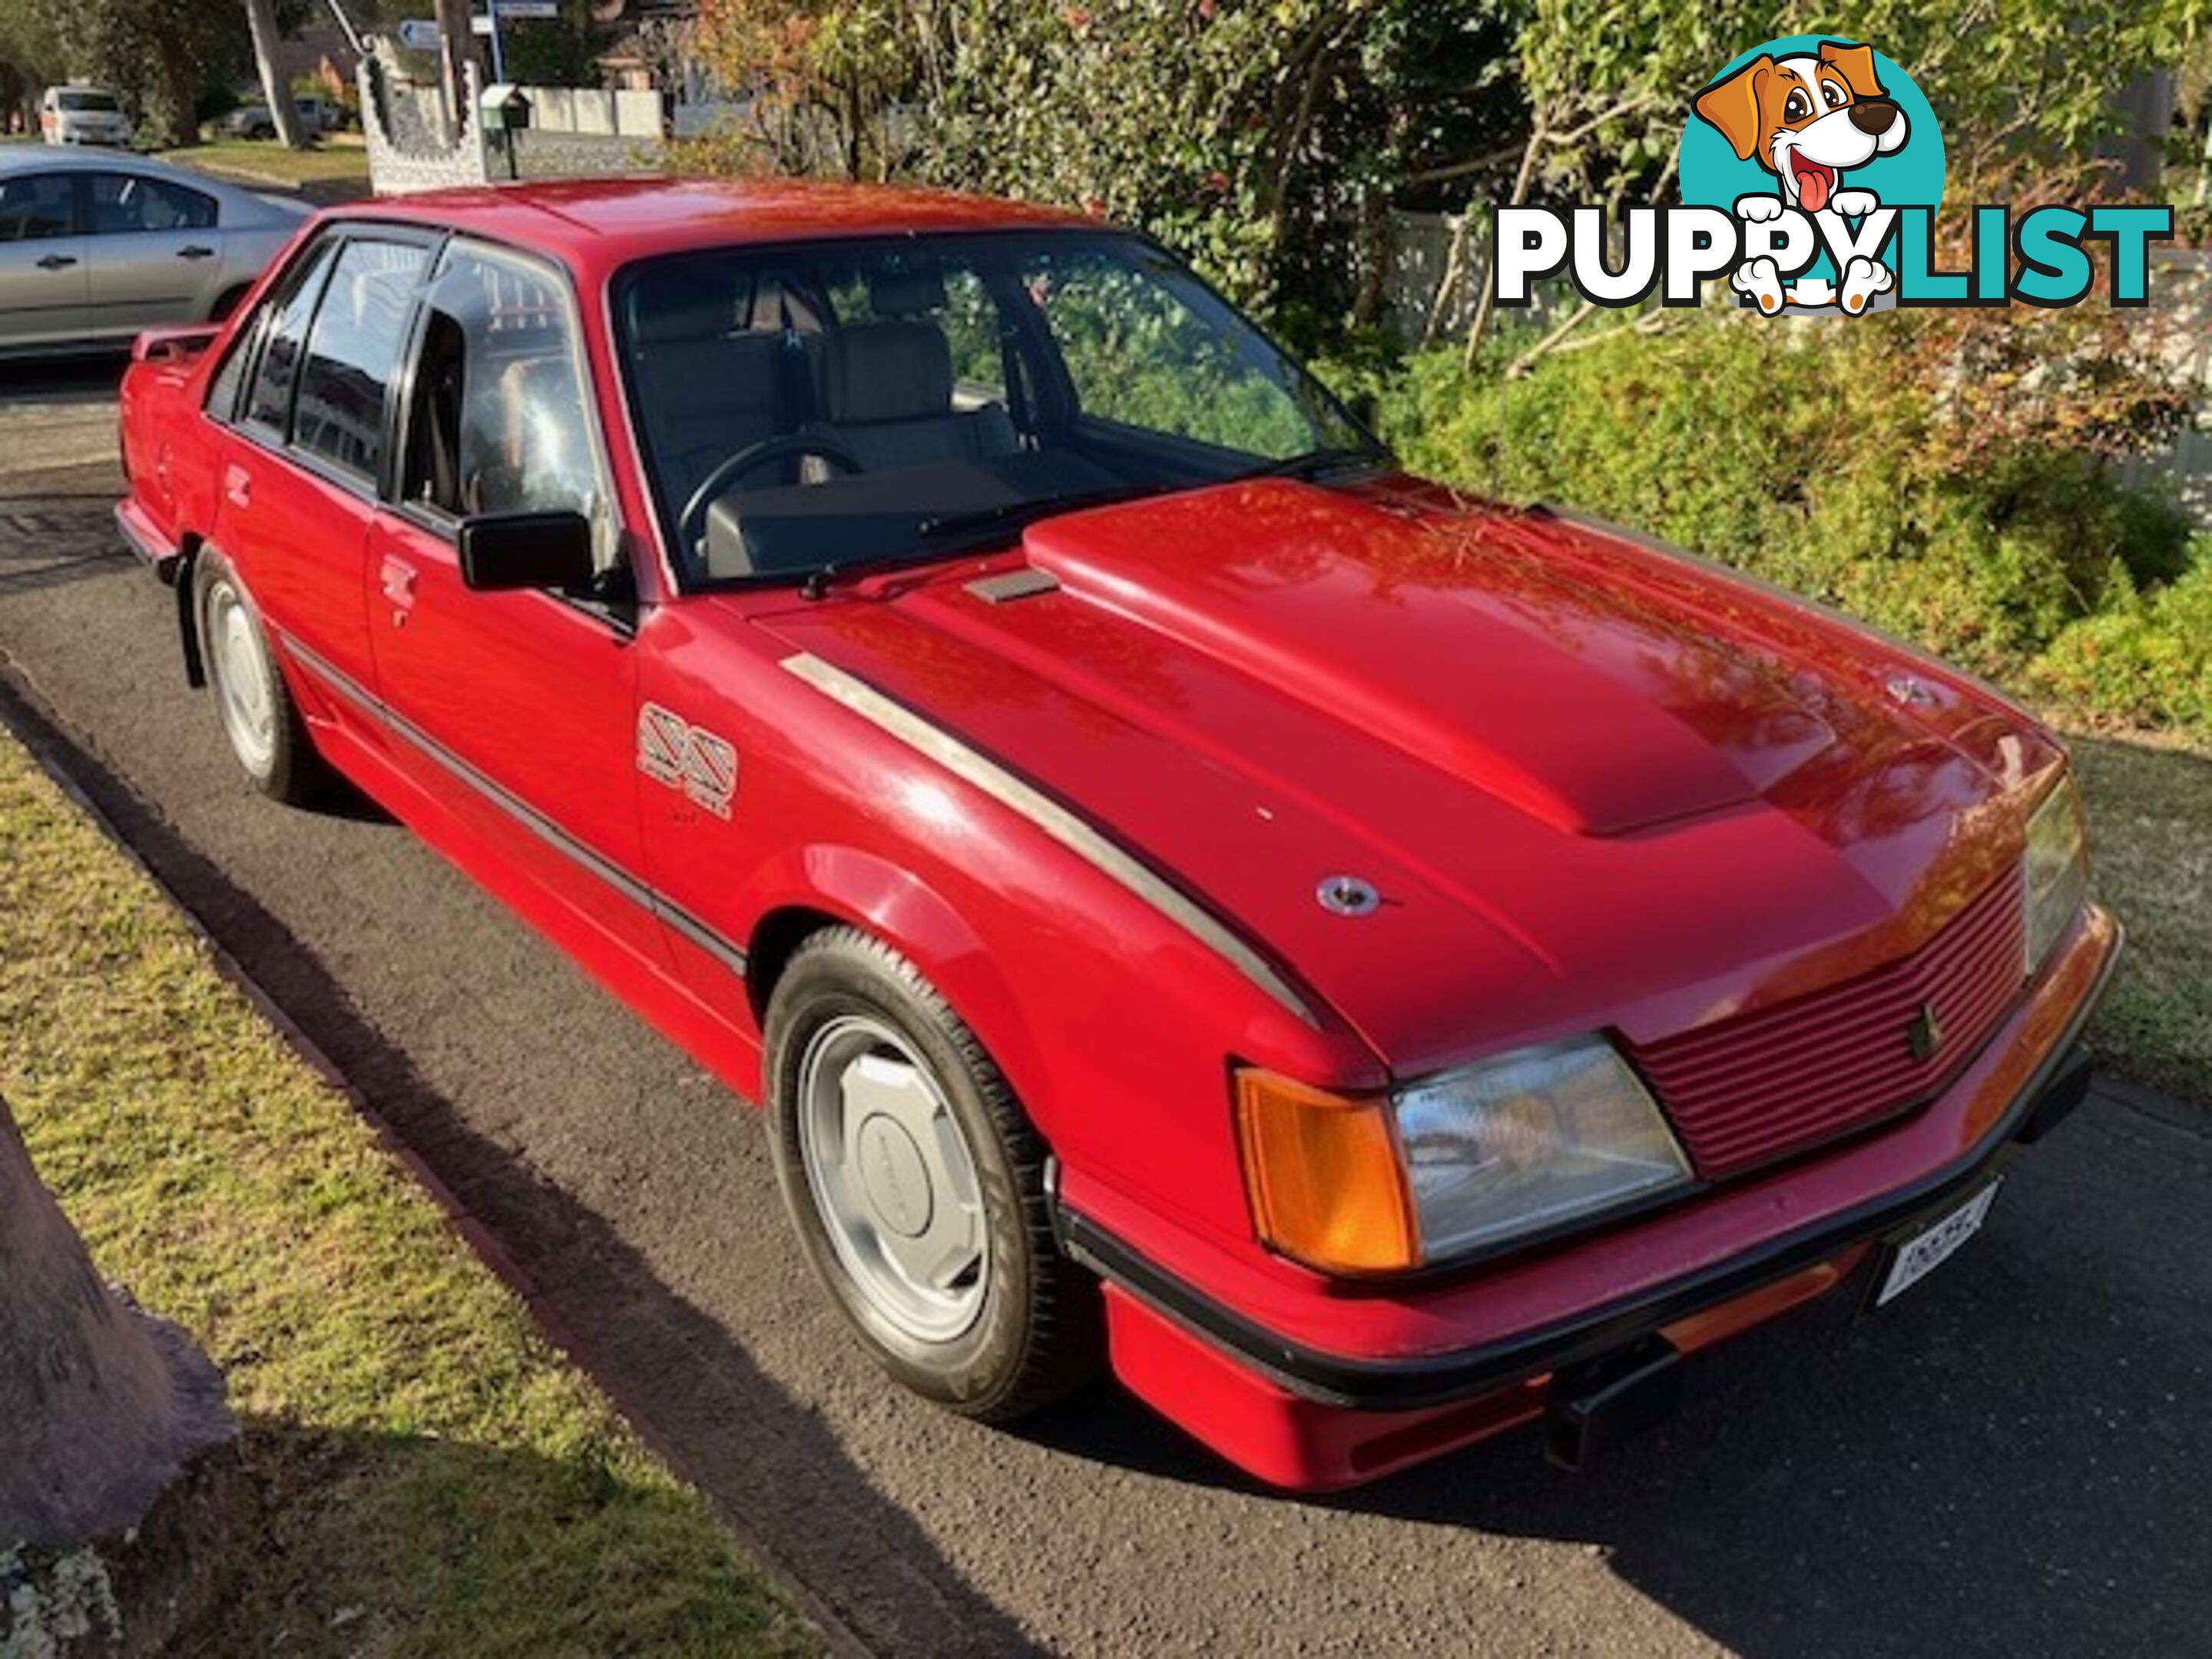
column 421, row 34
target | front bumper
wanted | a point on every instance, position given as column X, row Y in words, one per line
column 1298, row 1414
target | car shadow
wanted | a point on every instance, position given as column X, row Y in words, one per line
column 77, row 378
column 773, row 1468
column 67, row 507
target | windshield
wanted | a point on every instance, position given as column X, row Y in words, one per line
column 809, row 408
column 89, row 103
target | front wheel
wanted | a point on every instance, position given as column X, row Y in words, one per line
column 266, row 730
column 917, row 1185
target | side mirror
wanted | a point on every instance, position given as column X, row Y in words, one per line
column 503, row 552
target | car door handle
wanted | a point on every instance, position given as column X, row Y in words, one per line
column 238, row 486
column 56, row 262
column 397, row 578
column 196, row 252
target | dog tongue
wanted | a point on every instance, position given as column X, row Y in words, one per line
column 1813, row 187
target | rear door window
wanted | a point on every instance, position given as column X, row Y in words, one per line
column 352, row 348
column 284, row 337
column 126, row 202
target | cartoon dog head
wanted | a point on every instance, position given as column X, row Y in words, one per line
column 1806, row 119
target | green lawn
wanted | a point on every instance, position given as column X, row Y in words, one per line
column 437, row 1479
column 334, row 170
column 2150, row 826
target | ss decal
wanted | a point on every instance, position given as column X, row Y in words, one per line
column 673, row 752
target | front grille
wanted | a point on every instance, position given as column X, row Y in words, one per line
column 1745, row 1091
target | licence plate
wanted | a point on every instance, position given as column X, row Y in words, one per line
column 1917, row 1255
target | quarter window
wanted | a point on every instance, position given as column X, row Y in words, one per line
column 37, row 207
column 351, row 351
column 123, row 203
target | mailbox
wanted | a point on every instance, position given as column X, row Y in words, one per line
column 505, row 107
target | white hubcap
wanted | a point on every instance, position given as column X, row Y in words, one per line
column 892, row 1178
column 241, row 678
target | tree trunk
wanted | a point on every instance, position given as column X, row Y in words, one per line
column 177, row 99
column 101, row 1406
column 261, row 19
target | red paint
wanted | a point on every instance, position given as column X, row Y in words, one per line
column 1600, row 788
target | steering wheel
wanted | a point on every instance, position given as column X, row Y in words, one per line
column 751, row 457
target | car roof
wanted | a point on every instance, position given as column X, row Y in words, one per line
column 61, row 158
column 55, row 158
column 596, row 226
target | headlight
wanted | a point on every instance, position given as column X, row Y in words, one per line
column 1529, row 1142
column 2055, row 872
column 1523, row 1144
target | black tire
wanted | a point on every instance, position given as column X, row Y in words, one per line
column 287, row 767
column 226, row 302
column 1039, row 1335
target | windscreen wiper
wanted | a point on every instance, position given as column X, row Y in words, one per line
column 1317, row 464
column 933, row 534
column 820, row 579
column 948, row 527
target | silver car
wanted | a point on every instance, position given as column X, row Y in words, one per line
column 92, row 247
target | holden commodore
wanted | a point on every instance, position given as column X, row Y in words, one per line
column 1371, row 966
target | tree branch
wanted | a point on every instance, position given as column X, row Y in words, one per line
column 1539, row 136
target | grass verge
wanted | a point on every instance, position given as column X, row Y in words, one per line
column 328, row 172
column 436, row 1478
column 2150, row 826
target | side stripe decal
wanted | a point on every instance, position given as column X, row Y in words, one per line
column 638, row 892
column 1074, row 833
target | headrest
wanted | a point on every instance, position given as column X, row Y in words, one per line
column 906, row 292
column 682, row 304
column 876, row 372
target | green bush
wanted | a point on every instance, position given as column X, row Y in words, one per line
column 1797, row 453
column 2147, row 661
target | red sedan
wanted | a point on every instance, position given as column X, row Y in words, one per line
column 1374, row 966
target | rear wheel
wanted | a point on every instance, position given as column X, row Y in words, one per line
column 226, row 302
column 917, row 1185
column 264, row 724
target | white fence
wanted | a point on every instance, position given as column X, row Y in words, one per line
column 594, row 112
column 572, row 132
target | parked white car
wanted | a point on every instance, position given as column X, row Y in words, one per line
column 82, row 115
column 94, row 247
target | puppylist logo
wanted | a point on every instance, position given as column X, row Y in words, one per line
column 1811, row 172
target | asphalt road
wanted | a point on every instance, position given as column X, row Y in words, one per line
column 2014, row 1458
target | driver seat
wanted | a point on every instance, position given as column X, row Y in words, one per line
column 887, row 398
column 706, row 390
